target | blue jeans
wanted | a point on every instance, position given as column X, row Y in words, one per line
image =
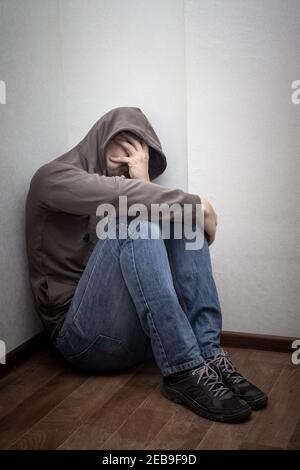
column 139, row 298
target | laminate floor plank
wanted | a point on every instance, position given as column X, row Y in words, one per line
column 54, row 428
column 31, row 410
column 22, row 382
column 105, row 421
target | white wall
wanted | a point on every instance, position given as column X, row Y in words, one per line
column 127, row 53
column 32, row 132
column 244, row 149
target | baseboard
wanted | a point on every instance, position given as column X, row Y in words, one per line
column 229, row 338
column 23, row 351
column 256, row 341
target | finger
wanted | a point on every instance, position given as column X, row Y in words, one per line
column 120, row 159
column 129, row 138
column 210, row 238
column 145, row 147
column 132, row 140
column 126, row 145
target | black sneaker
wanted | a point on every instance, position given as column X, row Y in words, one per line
column 255, row 397
column 201, row 390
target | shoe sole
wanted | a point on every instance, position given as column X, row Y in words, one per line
column 257, row 404
column 177, row 397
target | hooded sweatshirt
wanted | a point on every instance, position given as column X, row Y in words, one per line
column 61, row 208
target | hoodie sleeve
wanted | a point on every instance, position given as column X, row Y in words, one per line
column 63, row 187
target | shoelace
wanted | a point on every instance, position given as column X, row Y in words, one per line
column 225, row 364
column 211, row 379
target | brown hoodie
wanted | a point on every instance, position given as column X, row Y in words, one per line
column 62, row 202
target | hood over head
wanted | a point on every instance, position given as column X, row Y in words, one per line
column 91, row 150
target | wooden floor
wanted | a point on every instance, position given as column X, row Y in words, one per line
column 46, row 404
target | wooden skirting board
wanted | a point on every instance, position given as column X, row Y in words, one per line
column 256, row 341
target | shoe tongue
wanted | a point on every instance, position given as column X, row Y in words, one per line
column 215, row 368
column 229, row 394
column 234, row 374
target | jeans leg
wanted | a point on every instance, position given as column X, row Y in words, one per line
column 146, row 270
column 102, row 331
column 196, row 289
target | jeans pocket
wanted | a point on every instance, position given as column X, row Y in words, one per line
column 103, row 353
